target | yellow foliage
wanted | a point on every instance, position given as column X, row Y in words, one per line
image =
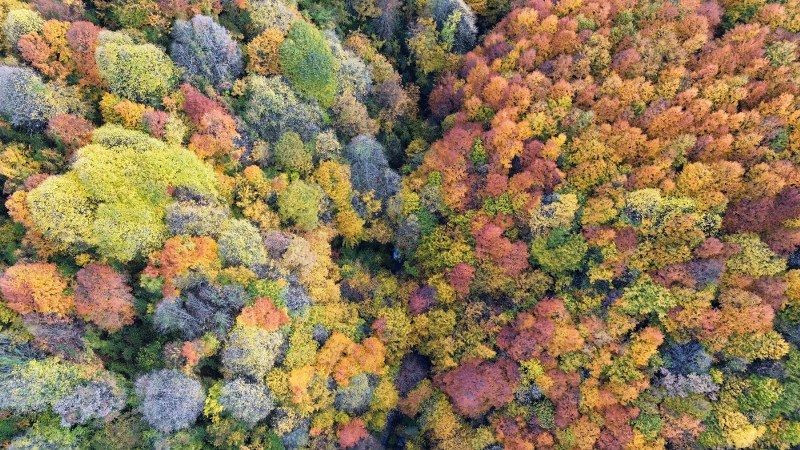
column 263, row 52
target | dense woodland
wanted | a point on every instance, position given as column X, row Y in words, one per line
column 400, row 224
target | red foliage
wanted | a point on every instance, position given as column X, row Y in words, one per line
column 36, row 51
column 477, row 386
column 103, row 297
column 156, row 122
column 460, row 277
column 352, row 433
column 765, row 216
column 82, row 39
column 72, row 131
column 421, row 300
column 446, row 97
column 196, row 105
column 215, row 134
column 490, row 244
column 532, row 332
column 62, row 10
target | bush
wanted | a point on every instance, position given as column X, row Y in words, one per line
column 206, row 51
column 300, row 204
column 245, row 401
column 138, row 72
column 171, row 401
column 307, row 62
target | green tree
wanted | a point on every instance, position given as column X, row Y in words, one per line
column 308, row 62
column 300, row 204
column 114, row 198
column 139, row 72
column 292, row 154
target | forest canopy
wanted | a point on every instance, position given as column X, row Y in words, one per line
column 369, row 224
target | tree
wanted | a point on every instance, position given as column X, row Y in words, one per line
column 276, row 14
column 82, row 38
column 47, row 51
column 114, row 196
column 138, row 72
column 246, row 401
column 263, row 53
column 193, row 218
column 307, row 61
column 36, row 385
column 26, row 100
column 300, row 204
column 455, row 18
column 96, row 400
column 292, row 154
column 559, row 251
column 354, row 399
column 475, row 386
column 240, row 244
column 35, row 287
column 272, row 108
column 201, row 308
column 251, row 352
column 103, row 297
column 263, row 313
column 369, row 167
column 206, row 51
column 171, row 401
column 70, row 130
column 20, row 22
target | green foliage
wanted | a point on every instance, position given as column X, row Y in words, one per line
column 292, row 154
column 560, row 251
column 240, row 244
column 114, row 198
column 646, row 297
column 754, row 257
column 36, row 385
column 19, row 22
column 251, row 352
column 307, row 61
column 138, row 72
column 47, row 432
column 300, row 204
column 760, row 395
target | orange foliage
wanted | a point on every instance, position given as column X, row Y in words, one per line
column 182, row 254
column 35, row 287
column 263, row 313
